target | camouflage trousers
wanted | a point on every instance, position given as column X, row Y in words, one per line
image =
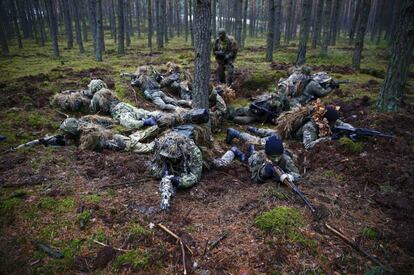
column 134, row 142
column 130, row 116
column 225, row 160
column 216, row 119
column 262, row 135
column 223, row 67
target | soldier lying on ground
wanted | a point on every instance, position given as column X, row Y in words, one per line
column 261, row 162
column 131, row 117
column 177, row 81
column 178, row 162
column 146, row 81
column 218, row 108
column 77, row 100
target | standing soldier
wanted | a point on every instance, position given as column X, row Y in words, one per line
column 225, row 51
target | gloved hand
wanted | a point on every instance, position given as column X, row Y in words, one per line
column 228, row 56
column 269, row 171
column 175, row 180
column 334, row 85
column 286, row 176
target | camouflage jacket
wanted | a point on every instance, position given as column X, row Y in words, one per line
column 218, row 105
column 312, row 91
column 258, row 160
column 146, row 82
column 228, row 46
column 188, row 167
column 309, row 133
column 130, row 116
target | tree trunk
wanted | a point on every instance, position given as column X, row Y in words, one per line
column 278, row 23
column 68, row 24
column 42, row 36
column 83, row 13
column 77, row 25
column 202, row 33
column 150, row 24
column 186, row 19
column 53, row 27
column 213, row 16
column 92, row 22
column 99, row 38
column 318, row 24
column 355, row 22
column 239, row 23
column 16, row 24
column 359, row 41
column 392, row 91
column 164, row 32
column 304, row 31
column 126, row 24
column 191, row 22
column 23, row 19
column 335, row 22
column 138, row 17
column 121, row 45
column 326, row 24
column 270, row 29
column 3, row 38
column 244, row 34
column 160, row 29
column 289, row 15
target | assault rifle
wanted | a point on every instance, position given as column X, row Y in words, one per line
column 56, row 140
column 335, row 83
column 355, row 133
column 295, row 189
column 166, row 189
column 262, row 111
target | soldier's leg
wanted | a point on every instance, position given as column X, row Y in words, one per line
column 244, row 119
column 131, row 144
column 130, row 121
column 162, row 105
column 149, row 133
column 184, row 103
column 221, row 76
column 229, row 68
column 262, row 132
column 225, row 160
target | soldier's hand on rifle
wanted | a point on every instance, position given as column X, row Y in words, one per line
column 287, row 176
column 269, row 171
column 334, row 85
column 175, row 180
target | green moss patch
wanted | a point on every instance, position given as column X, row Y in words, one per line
column 351, row 146
column 137, row 259
column 279, row 220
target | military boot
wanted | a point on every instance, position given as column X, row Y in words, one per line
column 151, row 121
column 238, row 154
column 199, row 116
column 231, row 134
column 252, row 129
column 114, row 144
column 251, row 150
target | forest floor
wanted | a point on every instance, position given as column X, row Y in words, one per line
column 364, row 189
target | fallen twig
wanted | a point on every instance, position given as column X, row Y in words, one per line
column 178, row 240
column 356, row 247
column 62, row 114
column 119, row 249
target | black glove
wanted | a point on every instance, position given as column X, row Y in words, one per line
column 220, row 55
column 334, row 85
column 228, row 56
column 269, row 171
column 175, row 181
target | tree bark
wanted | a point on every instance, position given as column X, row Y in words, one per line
column 186, row 19
column 53, row 27
column 77, row 25
column 304, row 31
column 121, row 45
column 238, row 21
column 244, row 34
column 213, row 16
column 99, row 38
column 318, row 24
column 355, row 22
column 3, row 38
column 138, row 17
column 392, row 92
column 326, row 24
column 359, row 41
column 270, row 29
column 68, row 24
column 278, row 23
column 92, row 22
column 202, row 33
column 150, row 24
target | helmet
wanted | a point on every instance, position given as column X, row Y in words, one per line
column 70, row 125
column 331, row 113
column 274, row 146
column 321, row 77
column 170, row 148
column 95, row 85
column 221, row 31
column 306, row 70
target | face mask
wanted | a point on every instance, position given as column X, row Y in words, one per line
column 275, row 158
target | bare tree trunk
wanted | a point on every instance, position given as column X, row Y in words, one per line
column 270, row 29
column 3, row 38
column 53, row 27
column 238, row 21
column 83, row 14
column 186, row 19
column 304, row 31
column 244, row 34
column 77, row 25
column 150, row 25
column 16, row 24
column 355, row 21
column 393, row 89
column 127, row 29
column 213, row 16
column 278, row 22
column 335, row 22
column 92, row 22
column 121, row 31
column 202, row 33
column 359, row 41
column 99, row 38
column 164, row 29
column 326, row 24
column 191, row 22
column 41, row 24
column 318, row 24
column 138, row 17
column 68, row 24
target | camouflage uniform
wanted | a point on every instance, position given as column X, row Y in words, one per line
column 288, row 86
column 263, row 134
column 185, row 159
column 175, row 81
column 225, row 51
column 218, row 109
column 77, row 100
column 258, row 160
column 96, row 136
column 314, row 90
column 309, row 133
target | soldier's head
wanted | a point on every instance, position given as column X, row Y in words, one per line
column 70, row 126
column 103, row 101
column 171, row 148
column 213, row 95
column 306, row 70
column 274, row 148
column 322, row 78
column 173, row 68
column 331, row 114
column 95, row 85
column 221, row 33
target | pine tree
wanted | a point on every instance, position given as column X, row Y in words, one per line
column 120, row 17
column 304, row 31
column 270, row 29
column 359, row 41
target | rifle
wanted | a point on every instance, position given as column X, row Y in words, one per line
column 355, row 133
column 132, row 76
column 294, row 188
column 166, row 189
column 56, row 140
column 336, row 83
column 157, row 75
column 262, row 111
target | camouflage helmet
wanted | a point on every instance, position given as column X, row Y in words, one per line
column 321, row 77
column 170, row 148
column 95, row 85
column 70, row 126
column 213, row 94
column 221, row 31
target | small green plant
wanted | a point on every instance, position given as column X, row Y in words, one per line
column 100, row 236
column 85, row 216
column 351, row 146
column 331, row 174
column 137, row 230
column 93, row 198
column 279, row 220
column 58, row 205
column 136, row 258
column 370, row 233
column 9, row 205
column 275, row 192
